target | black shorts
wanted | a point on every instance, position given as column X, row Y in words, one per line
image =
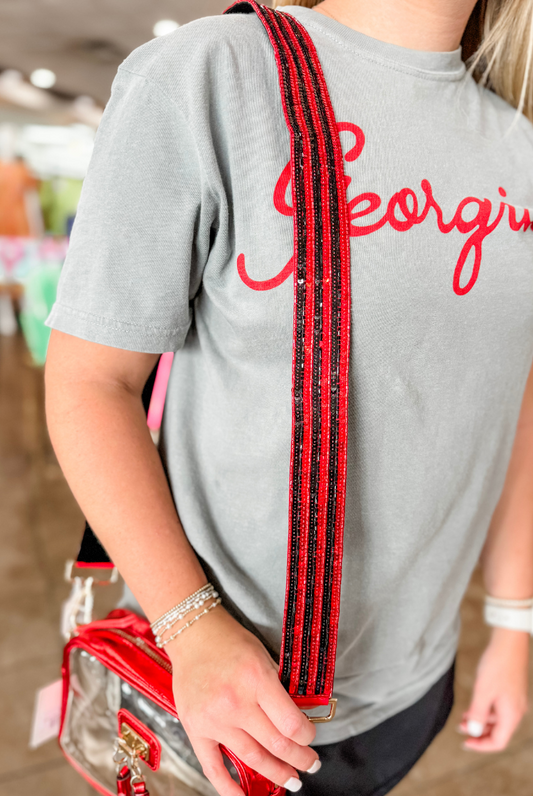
column 372, row 763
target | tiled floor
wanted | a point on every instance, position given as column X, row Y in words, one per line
column 40, row 526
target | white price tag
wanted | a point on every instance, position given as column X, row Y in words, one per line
column 47, row 714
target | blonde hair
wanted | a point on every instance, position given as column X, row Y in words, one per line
column 497, row 45
column 503, row 59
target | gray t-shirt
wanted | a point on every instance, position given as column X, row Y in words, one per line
column 181, row 243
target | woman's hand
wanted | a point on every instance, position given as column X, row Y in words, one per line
column 227, row 691
column 500, row 697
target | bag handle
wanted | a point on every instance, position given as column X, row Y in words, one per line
column 321, row 339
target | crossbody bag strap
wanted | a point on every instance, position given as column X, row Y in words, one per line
column 320, row 365
column 320, row 362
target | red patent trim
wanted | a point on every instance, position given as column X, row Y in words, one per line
column 124, row 658
column 140, row 789
column 92, row 565
column 124, row 782
column 308, row 702
column 147, row 735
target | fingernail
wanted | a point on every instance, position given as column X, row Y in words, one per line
column 293, row 784
column 475, row 728
column 315, row 767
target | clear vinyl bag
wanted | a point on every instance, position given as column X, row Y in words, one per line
column 116, row 727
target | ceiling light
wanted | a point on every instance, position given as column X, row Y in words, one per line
column 14, row 89
column 43, row 78
column 165, row 26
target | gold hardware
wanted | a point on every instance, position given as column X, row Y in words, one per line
column 128, row 755
column 69, row 576
column 136, row 746
column 321, row 719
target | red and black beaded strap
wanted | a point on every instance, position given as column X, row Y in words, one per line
column 320, row 362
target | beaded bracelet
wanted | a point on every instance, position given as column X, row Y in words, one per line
column 171, row 617
column 175, row 608
column 185, row 606
column 162, row 644
column 190, row 598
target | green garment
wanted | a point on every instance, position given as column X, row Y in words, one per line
column 59, row 201
column 39, row 296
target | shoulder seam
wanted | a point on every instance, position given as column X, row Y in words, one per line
column 184, row 117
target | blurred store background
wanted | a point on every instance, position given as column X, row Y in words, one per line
column 57, row 62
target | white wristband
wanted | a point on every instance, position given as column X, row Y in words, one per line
column 509, row 614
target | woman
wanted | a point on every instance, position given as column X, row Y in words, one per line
column 183, row 242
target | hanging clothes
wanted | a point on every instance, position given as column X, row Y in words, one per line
column 59, row 198
column 15, row 182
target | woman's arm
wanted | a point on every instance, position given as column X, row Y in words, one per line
column 98, row 429
column 500, row 693
column 226, row 685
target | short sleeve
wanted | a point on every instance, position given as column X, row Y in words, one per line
column 142, row 233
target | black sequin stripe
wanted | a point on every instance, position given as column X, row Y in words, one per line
column 336, row 316
column 316, row 419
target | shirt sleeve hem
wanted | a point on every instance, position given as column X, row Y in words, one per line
column 118, row 334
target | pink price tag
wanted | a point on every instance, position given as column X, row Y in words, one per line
column 47, row 714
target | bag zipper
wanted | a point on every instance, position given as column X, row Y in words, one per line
column 145, row 647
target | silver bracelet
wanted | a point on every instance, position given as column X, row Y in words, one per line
column 187, row 599
column 169, row 619
column 192, row 601
column 162, row 644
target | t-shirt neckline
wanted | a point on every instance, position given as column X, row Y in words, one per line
column 436, row 65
